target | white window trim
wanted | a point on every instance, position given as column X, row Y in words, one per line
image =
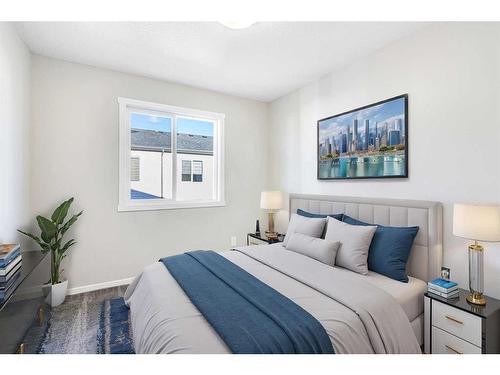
column 124, row 201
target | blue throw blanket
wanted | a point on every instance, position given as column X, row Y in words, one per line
column 248, row 315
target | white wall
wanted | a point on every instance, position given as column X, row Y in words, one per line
column 451, row 74
column 14, row 133
column 75, row 153
column 191, row 190
column 150, row 175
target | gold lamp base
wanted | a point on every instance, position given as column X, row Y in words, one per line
column 270, row 233
column 476, row 299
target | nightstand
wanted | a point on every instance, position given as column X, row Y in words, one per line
column 453, row 326
column 253, row 239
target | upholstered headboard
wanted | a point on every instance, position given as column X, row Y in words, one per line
column 426, row 255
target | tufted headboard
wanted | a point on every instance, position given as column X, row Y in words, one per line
column 426, row 254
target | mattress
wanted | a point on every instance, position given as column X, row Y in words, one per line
column 358, row 318
column 410, row 295
column 417, row 325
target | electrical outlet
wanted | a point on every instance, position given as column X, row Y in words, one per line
column 233, row 240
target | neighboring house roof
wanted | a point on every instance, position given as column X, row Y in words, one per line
column 151, row 140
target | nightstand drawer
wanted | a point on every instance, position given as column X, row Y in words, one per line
column 445, row 343
column 457, row 322
column 255, row 241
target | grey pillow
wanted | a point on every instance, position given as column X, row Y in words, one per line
column 299, row 224
column 354, row 244
column 323, row 251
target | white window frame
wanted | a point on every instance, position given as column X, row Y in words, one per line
column 124, row 202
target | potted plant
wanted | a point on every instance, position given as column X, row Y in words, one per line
column 51, row 239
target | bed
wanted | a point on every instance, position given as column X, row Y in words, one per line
column 360, row 313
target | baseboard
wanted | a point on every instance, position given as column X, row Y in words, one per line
column 92, row 287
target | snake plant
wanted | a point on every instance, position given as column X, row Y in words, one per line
column 52, row 232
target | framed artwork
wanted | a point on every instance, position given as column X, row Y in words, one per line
column 366, row 142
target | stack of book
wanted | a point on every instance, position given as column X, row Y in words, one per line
column 10, row 269
column 443, row 288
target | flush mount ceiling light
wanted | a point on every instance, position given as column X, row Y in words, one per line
column 237, row 25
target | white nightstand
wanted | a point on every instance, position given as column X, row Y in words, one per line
column 453, row 326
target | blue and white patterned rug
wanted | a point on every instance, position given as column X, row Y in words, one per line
column 88, row 323
column 113, row 336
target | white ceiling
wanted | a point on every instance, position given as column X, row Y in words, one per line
column 263, row 62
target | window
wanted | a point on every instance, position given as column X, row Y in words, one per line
column 192, row 171
column 186, row 170
column 170, row 157
column 197, row 171
column 135, row 171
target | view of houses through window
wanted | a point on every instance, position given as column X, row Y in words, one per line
column 152, row 163
column 192, row 170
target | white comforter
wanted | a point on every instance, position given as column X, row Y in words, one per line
column 357, row 316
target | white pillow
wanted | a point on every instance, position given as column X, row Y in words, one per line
column 323, row 251
column 306, row 225
column 354, row 241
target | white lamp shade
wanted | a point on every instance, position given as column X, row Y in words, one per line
column 271, row 200
column 475, row 222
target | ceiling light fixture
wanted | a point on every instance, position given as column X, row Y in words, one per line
column 237, row 25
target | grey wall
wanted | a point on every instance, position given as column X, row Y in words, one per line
column 14, row 133
column 451, row 73
column 75, row 153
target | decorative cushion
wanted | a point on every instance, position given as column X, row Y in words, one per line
column 389, row 250
column 308, row 214
column 299, row 224
column 354, row 241
column 323, row 251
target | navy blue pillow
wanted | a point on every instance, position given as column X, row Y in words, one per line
column 389, row 250
column 308, row 214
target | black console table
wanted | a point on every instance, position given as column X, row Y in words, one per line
column 23, row 313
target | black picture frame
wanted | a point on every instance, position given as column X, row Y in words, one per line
column 406, row 153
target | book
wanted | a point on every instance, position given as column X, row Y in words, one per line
column 442, row 290
column 12, row 257
column 12, row 272
column 5, row 270
column 432, row 289
column 6, row 285
column 8, row 252
column 5, row 294
column 445, row 295
column 443, row 285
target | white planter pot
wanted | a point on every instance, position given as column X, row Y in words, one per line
column 57, row 294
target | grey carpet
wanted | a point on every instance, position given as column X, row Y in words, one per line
column 73, row 325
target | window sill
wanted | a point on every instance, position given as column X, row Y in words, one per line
column 170, row 206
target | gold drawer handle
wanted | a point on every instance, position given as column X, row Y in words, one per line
column 453, row 319
column 453, row 350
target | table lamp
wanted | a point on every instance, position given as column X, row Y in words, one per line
column 477, row 223
column 271, row 200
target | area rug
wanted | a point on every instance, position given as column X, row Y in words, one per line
column 74, row 326
column 113, row 336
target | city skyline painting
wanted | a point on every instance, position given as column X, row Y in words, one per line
column 367, row 142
